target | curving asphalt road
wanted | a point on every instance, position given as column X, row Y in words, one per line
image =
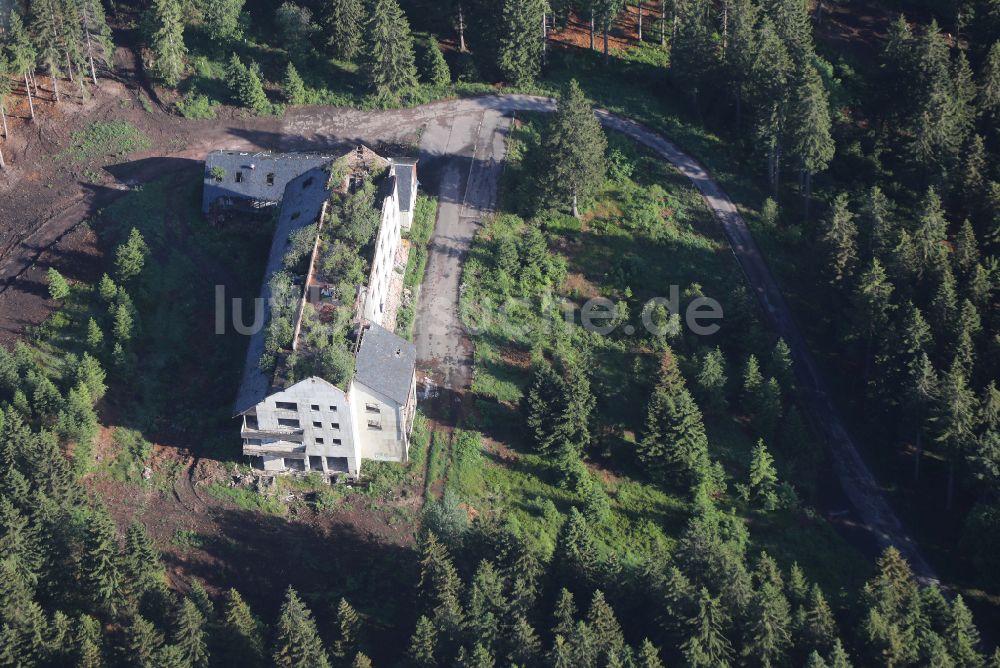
column 461, row 146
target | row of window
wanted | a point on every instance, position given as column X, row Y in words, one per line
column 370, row 407
column 292, row 406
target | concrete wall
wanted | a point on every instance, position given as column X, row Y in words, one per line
column 386, row 244
column 390, row 442
column 323, row 412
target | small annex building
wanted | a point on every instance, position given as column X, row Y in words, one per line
column 311, row 424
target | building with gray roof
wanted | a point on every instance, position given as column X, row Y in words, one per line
column 312, row 424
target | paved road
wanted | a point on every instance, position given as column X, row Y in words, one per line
column 462, row 145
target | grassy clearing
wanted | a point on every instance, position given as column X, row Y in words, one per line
column 247, row 499
column 114, row 139
column 646, row 230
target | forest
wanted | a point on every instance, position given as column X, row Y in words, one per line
column 608, row 500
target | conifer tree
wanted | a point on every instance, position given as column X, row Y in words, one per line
column 190, row 636
column 88, row 644
column 648, row 656
column 345, row 21
column 388, row 57
column 607, row 632
column 433, row 67
column 143, row 642
column 246, row 86
column 840, row 240
column 99, row 572
column 966, row 255
column 297, row 644
column 770, row 80
column 423, row 644
column 130, row 257
column 770, row 616
column 22, row 54
column 763, row 478
column 809, row 120
column 96, row 36
column 576, row 561
column 168, row 41
column 706, row 645
column 47, row 33
column 486, row 606
column 564, row 614
column 712, row 380
column 931, row 234
column 693, row 54
column 574, row 150
column 954, row 419
column 58, row 286
column 820, row 628
column 6, row 88
column 348, row 630
column 520, row 57
column 674, row 440
column 242, row 641
column 989, row 86
column 523, row 644
column 962, row 637
column 293, row 87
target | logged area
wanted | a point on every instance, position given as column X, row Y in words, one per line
column 408, row 333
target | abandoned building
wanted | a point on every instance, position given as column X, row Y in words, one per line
column 311, row 424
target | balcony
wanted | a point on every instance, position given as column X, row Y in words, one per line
column 290, row 435
column 276, row 448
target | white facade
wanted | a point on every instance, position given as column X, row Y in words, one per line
column 315, row 426
column 387, row 241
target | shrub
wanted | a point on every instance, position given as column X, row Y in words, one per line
column 196, row 105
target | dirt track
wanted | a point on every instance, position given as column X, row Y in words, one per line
column 461, row 164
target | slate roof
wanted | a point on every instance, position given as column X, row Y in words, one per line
column 385, row 363
column 301, row 203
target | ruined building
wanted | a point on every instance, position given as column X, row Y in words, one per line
column 295, row 422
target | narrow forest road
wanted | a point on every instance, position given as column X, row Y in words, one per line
column 463, row 168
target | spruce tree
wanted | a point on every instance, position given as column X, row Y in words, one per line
column 168, row 41
column 345, row 19
column 99, row 570
column 96, row 36
column 564, row 614
column 809, row 120
column 143, row 643
column 839, row 239
column 607, row 632
column 22, row 54
column 88, row 643
column 486, row 605
column 423, row 644
column 574, row 148
column 433, row 67
column 293, row 87
column 47, row 34
column 989, row 86
column 576, row 560
column 348, row 630
column 58, row 286
column 712, row 380
column 770, row 617
column 931, row 234
column 520, row 57
column 955, row 419
column 706, row 645
column 763, row 478
column 241, row 636
column 190, row 636
column 962, row 637
column 388, row 59
column 297, row 644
